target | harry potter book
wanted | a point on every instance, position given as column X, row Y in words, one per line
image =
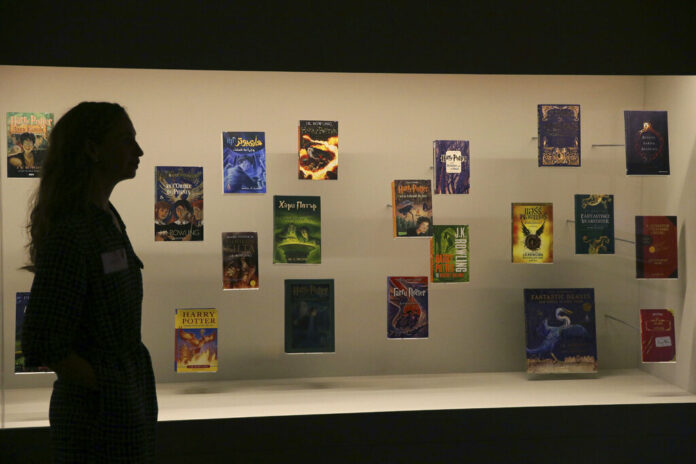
column 559, row 135
column 647, row 143
column 451, row 165
column 449, row 254
column 309, row 316
column 412, row 208
column 178, row 203
column 656, row 247
column 244, row 162
column 594, row 224
column 296, row 229
column 532, row 233
column 560, row 330
column 318, row 150
column 657, row 336
column 195, row 344
column 240, row 261
column 407, row 307
column 27, row 142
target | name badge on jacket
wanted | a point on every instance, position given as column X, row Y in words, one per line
column 114, row 261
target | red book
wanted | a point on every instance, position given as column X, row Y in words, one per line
column 657, row 335
column 656, row 247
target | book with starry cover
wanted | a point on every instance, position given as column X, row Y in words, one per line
column 559, row 135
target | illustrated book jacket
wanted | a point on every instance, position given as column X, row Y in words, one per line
column 318, row 150
column 27, row 142
column 560, row 330
column 532, row 233
column 647, row 143
column 449, row 254
column 594, row 224
column 244, row 162
column 412, row 208
column 559, row 135
column 407, row 307
column 240, row 261
column 178, row 203
column 656, row 247
column 196, row 342
column 451, row 165
column 658, row 343
column 296, row 229
column 309, row 316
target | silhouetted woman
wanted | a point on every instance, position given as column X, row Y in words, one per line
column 84, row 314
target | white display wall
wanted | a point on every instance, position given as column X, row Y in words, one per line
column 387, row 123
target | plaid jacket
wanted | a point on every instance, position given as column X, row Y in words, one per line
column 86, row 297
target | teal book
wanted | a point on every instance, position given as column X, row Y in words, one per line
column 296, row 229
column 594, row 224
column 309, row 316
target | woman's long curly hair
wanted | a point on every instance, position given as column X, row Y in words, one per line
column 67, row 171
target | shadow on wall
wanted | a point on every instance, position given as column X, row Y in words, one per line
column 688, row 288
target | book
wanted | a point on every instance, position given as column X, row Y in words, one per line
column 451, row 163
column 178, row 203
column 449, row 254
column 21, row 366
column 559, row 135
column 244, row 162
column 309, row 316
column 560, row 330
column 407, row 307
column 658, row 343
column 594, row 224
column 296, row 229
column 412, row 208
column 318, row 150
column 532, row 233
column 195, row 340
column 240, row 261
column 656, row 247
column 647, row 143
column 27, row 142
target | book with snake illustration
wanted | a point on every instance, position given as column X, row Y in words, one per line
column 560, row 330
column 407, row 307
column 594, row 224
column 195, row 340
column 559, row 135
column 532, row 233
column 318, row 150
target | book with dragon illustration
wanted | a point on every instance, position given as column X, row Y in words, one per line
column 240, row 261
column 559, row 135
column 658, row 343
column 560, row 330
column 195, row 344
column 178, row 203
column 532, row 233
column 27, row 142
column 309, row 316
column 412, row 208
column 318, row 150
column 657, row 254
column 647, row 143
column 244, row 162
column 451, row 165
column 296, row 229
column 594, row 224
column 21, row 366
column 407, row 307
column 449, row 254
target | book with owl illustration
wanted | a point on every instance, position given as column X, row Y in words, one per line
column 559, row 135
column 532, row 233
column 656, row 247
column 195, row 340
column 594, row 224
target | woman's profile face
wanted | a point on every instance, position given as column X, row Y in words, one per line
column 118, row 155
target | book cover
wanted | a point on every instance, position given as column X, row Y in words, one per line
column 656, row 247
column 296, row 229
column 196, row 345
column 318, row 150
column 240, row 261
column 532, row 233
column 647, row 143
column 449, row 254
column 658, row 343
column 27, row 142
column 407, row 307
column 244, row 162
column 451, row 163
column 560, row 330
column 594, row 224
column 178, row 203
column 412, row 208
column 309, row 316
column 21, row 366
column 559, row 135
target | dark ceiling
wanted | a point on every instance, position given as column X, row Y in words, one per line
column 566, row 37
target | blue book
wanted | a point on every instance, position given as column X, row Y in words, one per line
column 244, row 162
column 559, row 135
column 594, row 224
column 451, row 163
column 647, row 144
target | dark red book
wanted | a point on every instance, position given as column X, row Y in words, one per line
column 657, row 335
column 656, row 247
